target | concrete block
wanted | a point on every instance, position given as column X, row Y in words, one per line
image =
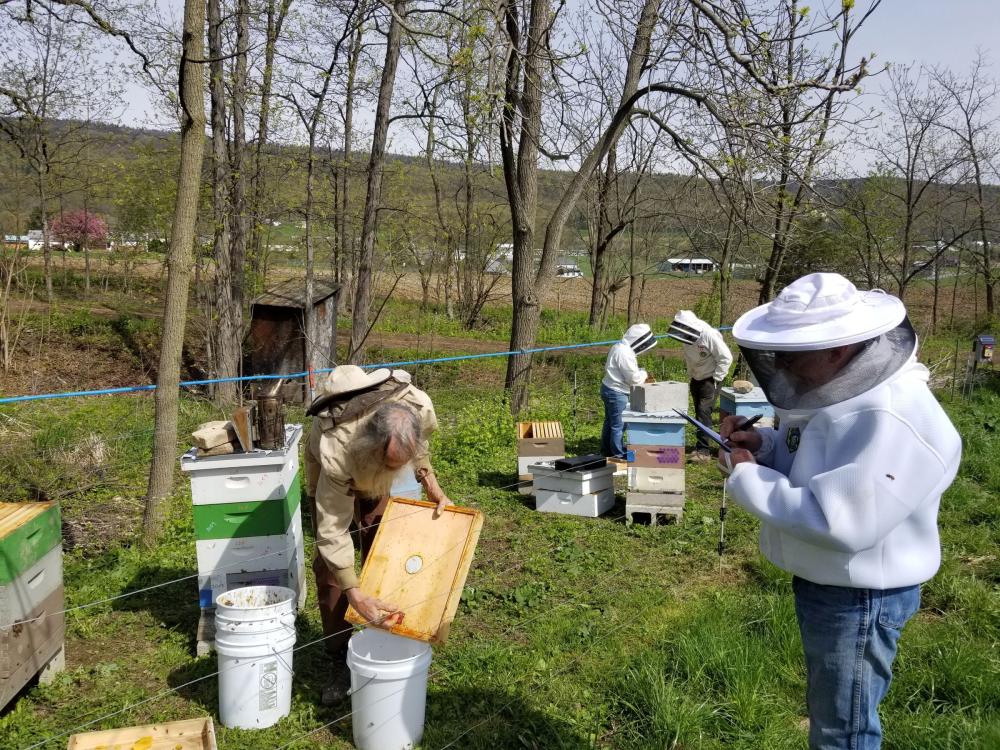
column 657, row 514
column 659, row 499
column 659, row 397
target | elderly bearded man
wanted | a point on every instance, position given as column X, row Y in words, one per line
column 847, row 489
column 366, row 428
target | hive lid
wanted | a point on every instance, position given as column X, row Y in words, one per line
column 257, row 459
column 420, row 563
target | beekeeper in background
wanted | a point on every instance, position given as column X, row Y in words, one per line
column 847, row 489
column 621, row 372
column 708, row 360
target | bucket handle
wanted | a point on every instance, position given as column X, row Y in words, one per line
column 371, row 679
column 277, row 655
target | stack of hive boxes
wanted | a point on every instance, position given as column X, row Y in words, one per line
column 248, row 524
column 31, row 595
column 588, row 491
column 747, row 405
column 537, row 442
column 655, row 435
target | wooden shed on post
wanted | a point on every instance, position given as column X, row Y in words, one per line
column 277, row 331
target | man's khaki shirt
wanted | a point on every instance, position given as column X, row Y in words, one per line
column 329, row 468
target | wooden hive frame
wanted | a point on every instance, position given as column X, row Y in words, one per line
column 188, row 734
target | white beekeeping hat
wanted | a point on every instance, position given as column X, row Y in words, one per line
column 818, row 311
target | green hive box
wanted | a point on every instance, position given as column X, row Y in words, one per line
column 27, row 532
column 250, row 518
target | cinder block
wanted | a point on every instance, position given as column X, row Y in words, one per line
column 657, row 514
column 659, row 397
column 658, row 499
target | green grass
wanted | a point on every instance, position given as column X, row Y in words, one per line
column 572, row 633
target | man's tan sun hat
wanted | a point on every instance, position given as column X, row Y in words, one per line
column 346, row 379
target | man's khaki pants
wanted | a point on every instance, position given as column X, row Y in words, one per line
column 332, row 603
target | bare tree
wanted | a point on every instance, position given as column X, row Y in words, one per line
column 47, row 74
column 919, row 157
column 376, row 163
column 974, row 98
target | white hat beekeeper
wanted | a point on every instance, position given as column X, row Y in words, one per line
column 818, row 312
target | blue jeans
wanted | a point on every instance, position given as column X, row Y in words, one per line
column 615, row 402
column 849, row 637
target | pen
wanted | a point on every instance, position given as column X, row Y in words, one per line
column 750, row 422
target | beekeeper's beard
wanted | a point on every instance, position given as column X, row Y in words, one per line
column 370, row 476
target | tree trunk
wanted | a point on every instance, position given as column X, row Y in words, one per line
column 529, row 290
column 376, row 164
column 237, row 172
column 46, row 249
column 182, row 238
column 601, row 243
column 258, row 183
column 225, row 329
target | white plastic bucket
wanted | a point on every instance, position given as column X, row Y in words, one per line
column 388, row 689
column 254, row 636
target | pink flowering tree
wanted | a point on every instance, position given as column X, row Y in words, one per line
column 81, row 229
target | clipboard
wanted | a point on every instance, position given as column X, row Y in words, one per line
column 707, row 431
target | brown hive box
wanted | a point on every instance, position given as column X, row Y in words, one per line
column 420, row 563
column 540, row 439
column 189, row 734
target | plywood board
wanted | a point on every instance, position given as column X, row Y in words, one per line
column 190, row 734
column 420, row 563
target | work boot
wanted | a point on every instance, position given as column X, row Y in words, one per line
column 701, row 457
column 339, row 686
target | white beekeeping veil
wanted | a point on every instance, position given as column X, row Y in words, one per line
column 818, row 312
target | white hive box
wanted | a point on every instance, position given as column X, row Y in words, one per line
column 547, row 477
column 590, row 505
column 656, row 480
column 276, row 560
column 652, row 398
column 242, row 477
column 29, row 590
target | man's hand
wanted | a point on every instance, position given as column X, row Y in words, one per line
column 372, row 609
column 435, row 494
column 729, row 461
column 750, row 440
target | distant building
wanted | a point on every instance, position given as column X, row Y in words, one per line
column 567, row 268
column 35, row 239
column 687, row 265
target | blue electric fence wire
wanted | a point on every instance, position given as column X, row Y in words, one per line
column 297, row 375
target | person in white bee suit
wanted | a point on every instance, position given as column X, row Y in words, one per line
column 621, row 372
column 708, row 360
column 847, row 489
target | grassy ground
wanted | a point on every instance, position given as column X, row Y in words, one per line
column 572, row 633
